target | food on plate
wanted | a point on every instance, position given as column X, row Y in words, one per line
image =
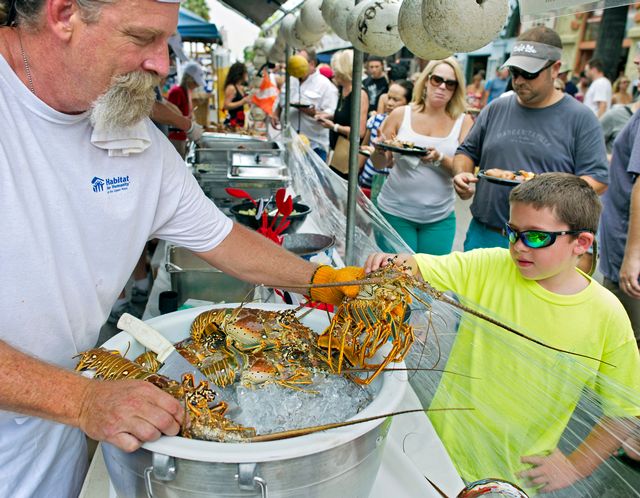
column 402, row 144
column 519, row 176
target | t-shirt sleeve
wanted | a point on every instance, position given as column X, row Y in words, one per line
column 590, row 152
column 601, row 91
column 472, row 145
column 184, row 215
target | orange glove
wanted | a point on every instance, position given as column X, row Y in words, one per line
column 327, row 275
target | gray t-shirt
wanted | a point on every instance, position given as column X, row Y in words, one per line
column 612, row 123
column 564, row 137
column 614, row 223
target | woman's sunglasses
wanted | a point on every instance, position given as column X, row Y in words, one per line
column 536, row 239
column 515, row 72
column 436, row 81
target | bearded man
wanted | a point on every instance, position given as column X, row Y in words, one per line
column 85, row 180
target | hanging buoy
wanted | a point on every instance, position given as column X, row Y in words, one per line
column 338, row 17
column 373, row 27
column 413, row 34
column 464, row 25
column 311, row 17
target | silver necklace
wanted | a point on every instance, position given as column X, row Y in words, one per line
column 27, row 68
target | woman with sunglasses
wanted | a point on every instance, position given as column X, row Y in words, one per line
column 621, row 93
column 418, row 198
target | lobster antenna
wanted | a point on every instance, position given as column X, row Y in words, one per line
column 319, row 428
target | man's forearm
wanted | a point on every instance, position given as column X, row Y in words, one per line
column 164, row 115
column 461, row 164
column 33, row 387
column 236, row 255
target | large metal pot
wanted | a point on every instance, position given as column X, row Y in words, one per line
column 340, row 462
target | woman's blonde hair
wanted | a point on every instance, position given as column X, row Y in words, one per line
column 616, row 83
column 458, row 104
column 342, row 64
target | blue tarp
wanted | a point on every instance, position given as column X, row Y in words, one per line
column 192, row 27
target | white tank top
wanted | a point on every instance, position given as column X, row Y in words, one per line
column 415, row 190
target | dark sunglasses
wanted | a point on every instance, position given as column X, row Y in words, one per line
column 536, row 239
column 436, row 81
column 515, row 72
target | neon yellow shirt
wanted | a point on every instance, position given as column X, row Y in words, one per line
column 522, row 394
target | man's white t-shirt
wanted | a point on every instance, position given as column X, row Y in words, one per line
column 320, row 92
column 74, row 222
column 598, row 91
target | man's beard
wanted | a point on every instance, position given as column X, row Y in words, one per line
column 129, row 99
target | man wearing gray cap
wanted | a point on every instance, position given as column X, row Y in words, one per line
column 537, row 129
column 86, row 180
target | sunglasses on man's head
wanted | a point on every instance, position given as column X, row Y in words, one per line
column 515, row 72
column 436, row 81
column 536, row 239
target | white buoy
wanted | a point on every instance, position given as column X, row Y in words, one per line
column 464, row 25
column 325, row 9
column 413, row 34
column 286, row 28
column 311, row 17
column 373, row 27
column 303, row 37
column 338, row 17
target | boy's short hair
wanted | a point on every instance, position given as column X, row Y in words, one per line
column 572, row 199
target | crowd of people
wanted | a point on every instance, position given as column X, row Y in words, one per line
column 533, row 117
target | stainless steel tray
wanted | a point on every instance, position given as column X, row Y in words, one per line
column 257, row 173
column 191, row 277
column 258, row 159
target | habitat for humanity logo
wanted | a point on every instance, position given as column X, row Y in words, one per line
column 111, row 185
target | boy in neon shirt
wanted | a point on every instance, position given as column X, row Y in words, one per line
column 536, row 286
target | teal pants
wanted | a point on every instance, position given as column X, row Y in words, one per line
column 479, row 236
column 428, row 238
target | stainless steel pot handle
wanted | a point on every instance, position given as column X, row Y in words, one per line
column 163, row 468
column 249, row 481
column 172, row 267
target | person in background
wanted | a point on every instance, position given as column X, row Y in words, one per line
column 583, row 86
column 536, row 285
column 397, row 72
column 475, row 92
column 620, row 90
column 399, row 94
column 418, row 198
column 180, row 96
column 376, row 83
column 339, row 123
column 614, row 120
column 312, row 89
column 619, row 235
column 495, row 87
column 77, row 214
column 570, row 87
column 538, row 129
column 326, row 71
column 598, row 96
column 235, row 96
column 559, row 85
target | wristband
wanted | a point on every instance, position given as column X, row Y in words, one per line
column 441, row 157
column 335, row 127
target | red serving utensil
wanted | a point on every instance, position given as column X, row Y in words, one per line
column 240, row 194
column 282, row 227
column 286, row 210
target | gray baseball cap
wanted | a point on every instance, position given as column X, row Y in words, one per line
column 532, row 56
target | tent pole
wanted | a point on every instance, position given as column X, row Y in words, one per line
column 287, row 87
column 354, row 145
